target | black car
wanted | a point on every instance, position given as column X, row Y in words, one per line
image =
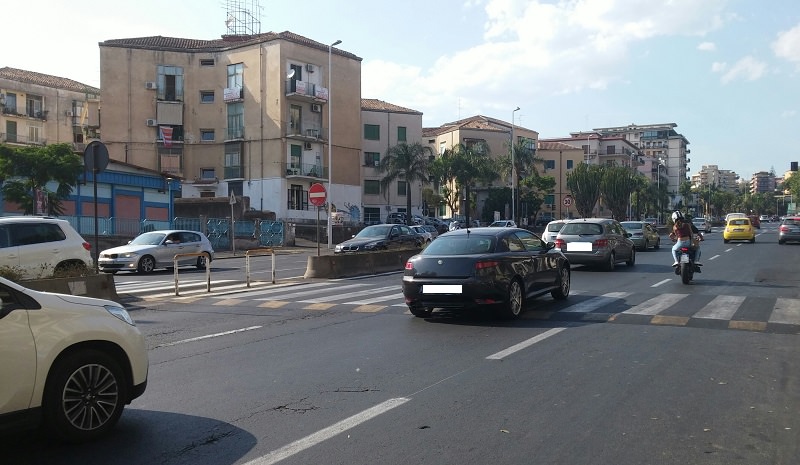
column 381, row 237
column 469, row 268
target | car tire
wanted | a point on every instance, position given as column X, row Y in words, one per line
column 726, row 240
column 201, row 262
column 780, row 242
column 753, row 240
column 514, row 300
column 612, row 262
column 146, row 264
column 658, row 244
column 420, row 311
column 562, row 291
column 84, row 395
column 632, row 261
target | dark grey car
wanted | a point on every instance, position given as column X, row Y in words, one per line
column 596, row 241
column 789, row 230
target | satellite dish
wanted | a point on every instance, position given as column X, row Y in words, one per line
column 290, row 74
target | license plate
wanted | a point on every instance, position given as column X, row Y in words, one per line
column 684, row 258
column 738, row 230
column 441, row 288
column 579, row 247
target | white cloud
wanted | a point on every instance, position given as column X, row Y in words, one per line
column 747, row 69
column 787, row 45
column 707, row 47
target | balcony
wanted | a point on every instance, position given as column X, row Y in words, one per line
column 306, row 171
column 305, row 91
column 234, row 172
column 232, row 134
column 311, row 132
column 7, row 138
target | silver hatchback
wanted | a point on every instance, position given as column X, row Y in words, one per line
column 157, row 249
column 596, row 241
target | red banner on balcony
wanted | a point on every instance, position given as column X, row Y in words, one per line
column 166, row 135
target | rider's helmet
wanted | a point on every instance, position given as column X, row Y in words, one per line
column 677, row 215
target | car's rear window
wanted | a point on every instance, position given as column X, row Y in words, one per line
column 633, row 226
column 462, row 245
column 582, row 228
column 791, row 221
column 739, row 222
column 554, row 227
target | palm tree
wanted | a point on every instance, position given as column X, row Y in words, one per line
column 405, row 162
column 525, row 161
column 469, row 164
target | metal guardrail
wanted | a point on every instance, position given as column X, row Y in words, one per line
column 193, row 254
column 257, row 252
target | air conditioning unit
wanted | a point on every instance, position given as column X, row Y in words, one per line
column 307, row 146
column 310, row 68
column 69, row 113
column 152, row 122
column 316, row 108
column 150, row 85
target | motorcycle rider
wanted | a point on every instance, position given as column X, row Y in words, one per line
column 682, row 233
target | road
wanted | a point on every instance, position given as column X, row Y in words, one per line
column 633, row 368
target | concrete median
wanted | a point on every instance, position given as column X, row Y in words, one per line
column 100, row 286
column 357, row 264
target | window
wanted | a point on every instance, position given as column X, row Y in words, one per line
column 372, row 215
column 206, row 96
column 33, row 134
column 206, row 62
column 11, row 103
column 585, row 149
column 372, row 132
column 372, row 158
column 549, row 164
column 401, row 133
column 372, row 187
column 611, row 150
column 402, row 187
column 570, row 164
column 298, row 198
column 170, row 83
column 207, row 135
column 207, row 173
column 233, row 161
column 295, row 164
column 235, row 120
column 33, row 106
column 236, row 75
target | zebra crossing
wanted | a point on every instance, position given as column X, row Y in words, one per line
column 774, row 314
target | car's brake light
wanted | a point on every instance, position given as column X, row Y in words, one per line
column 409, row 265
column 482, row 265
column 601, row 243
column 784, row 228
column 87, row 246
column 560, row 244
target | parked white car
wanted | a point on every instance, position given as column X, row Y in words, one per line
column 40, row 246
column 157, row 249
column 70, row 363
column 503, row 224
column 419, row 229
column 551, row 230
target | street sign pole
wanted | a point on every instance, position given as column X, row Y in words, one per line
column 317, row 196
column 232, row 201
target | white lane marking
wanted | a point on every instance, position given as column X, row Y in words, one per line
column 712, row 258
column 786, row 311
column 208, row 336
column 380, row 299
column 349, row 295
column 595, row 302
column 311, row 440
column 655, row 305
column 275, row 288
column 661, row 282
column 524, row 344
column 728, row 250
column 721, row 308
column 314, row 291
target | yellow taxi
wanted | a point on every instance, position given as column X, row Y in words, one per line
column 739, row 229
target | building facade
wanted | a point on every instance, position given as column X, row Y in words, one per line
column 558, row 160
column 713, row 176
column 260, row 115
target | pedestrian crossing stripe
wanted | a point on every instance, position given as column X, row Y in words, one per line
column 273, row 304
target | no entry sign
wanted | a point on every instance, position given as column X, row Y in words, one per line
column 317, row 195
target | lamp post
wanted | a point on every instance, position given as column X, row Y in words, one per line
column 169, row 201
column 330, row 148
column 658, row 188
column 513, row 171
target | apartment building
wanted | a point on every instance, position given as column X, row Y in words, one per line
column 712, row 175
column 386, row 125
column 497, row 135
column 762, row 182
column 558, row 160
column 256, row 115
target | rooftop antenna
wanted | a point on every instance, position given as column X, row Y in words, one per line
column 242, row 17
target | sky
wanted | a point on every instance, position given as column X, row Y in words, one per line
column 725, row 71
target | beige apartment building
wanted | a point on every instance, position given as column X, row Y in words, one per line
column 497, row 134
column 386, row 125
column 256, row 115
column 40, row 109
column 558, row 160
column 712, row 175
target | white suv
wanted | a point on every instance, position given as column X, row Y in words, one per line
column 71, row 363
column 39, row 247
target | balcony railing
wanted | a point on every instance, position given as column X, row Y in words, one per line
column 306, row 170
column 308, row 131
column 306, row 90
column 234, row 172
column 20, row 139
column 234, row 133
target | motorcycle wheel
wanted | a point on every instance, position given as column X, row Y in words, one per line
column 686, row 272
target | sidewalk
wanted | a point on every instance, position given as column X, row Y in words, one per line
column 300, row 246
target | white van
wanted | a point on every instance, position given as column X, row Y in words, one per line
column 39, row 246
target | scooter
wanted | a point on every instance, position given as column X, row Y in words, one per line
column 686, row 266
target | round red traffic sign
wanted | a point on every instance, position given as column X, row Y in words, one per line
column 317, row 195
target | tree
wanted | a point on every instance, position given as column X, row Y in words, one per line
column 525, row 160
column 406, row 162
column 616, row 185
column 461, row 167
column 584, row 182
column 533, row 190
column 25, row 170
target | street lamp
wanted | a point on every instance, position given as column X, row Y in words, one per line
column 169, row 201
column 330, row 148
column 513, row 171
column 658, row 188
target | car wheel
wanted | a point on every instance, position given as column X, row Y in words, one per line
column 562, row 291
column 658, row 244
column 726, row 240
column 612, row 262
column 84, row 395
column 201, row 262
column 753, row 240
column 514, row 300
column 632, row 261
column 781, row 242
column 146, row 264
column 420, row 311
